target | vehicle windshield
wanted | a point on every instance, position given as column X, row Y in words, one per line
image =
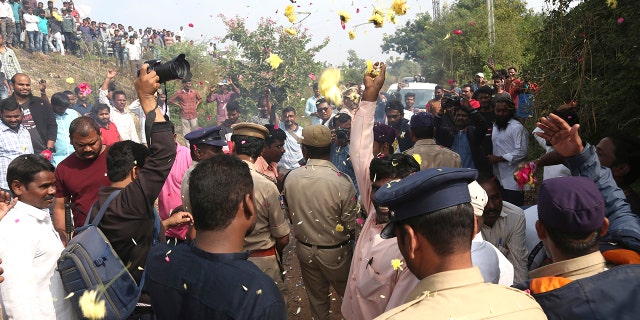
column 422, row 96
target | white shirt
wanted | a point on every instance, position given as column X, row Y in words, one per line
column 135, row 52
column 30, row 248
column 30, row 22
column 558, row 170
column 136, row 108
column 511, row 144
column 6, row 11
column 481, row 257
column 125, row 124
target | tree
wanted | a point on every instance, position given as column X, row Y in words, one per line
column 456, row 45
column 590, row 53
column 354, row 68
column 246, row 62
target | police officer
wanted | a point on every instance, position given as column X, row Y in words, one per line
column 204, row 144
column 432, row 155
column 433, row 219
column 271, row 233
column 322, row 206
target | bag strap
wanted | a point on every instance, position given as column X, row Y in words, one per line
column 103, row 209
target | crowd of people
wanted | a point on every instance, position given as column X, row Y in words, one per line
column 416, row 212
column 36, row 28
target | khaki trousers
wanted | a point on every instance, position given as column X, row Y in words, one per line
column 189, row 125
column 270, row 266
column 321, row 268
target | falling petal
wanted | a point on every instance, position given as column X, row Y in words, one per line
column 69, row 295
column 134, row 242
column 259, row 291
column 190, row 25
column 382, row 296
column 245, row 288
column 184, row 286
column 167, row 259
column 17, row 220
column 620, row 20
column 140, row 268
column 298, row 311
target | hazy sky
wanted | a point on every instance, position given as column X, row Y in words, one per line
column 323, row 21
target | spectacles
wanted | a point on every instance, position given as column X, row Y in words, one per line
column 323, row 109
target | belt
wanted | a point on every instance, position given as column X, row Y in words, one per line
column 335, row 246
column 263, row 253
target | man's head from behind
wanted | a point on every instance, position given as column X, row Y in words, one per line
column 31, row 179
column 432, row 217
column 422, row 126
column 384, row 169
column 222, row 194
column 316, row 141
column 206, row 142
column 85, row 137
column 571, row 216
column 125, row 159
column 249, row 139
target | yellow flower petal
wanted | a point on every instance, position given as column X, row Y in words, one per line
column 91, row 308
column 288, row 10
column 377, row 20
column 371, row 71
column 352, row 34
column 417, row 158
column 399, row 7
column 339, row 228
column 328, row 85
column 396, row 264
column 344, row 16
column 612, row 4
column 292, row 18
column 70, row 80
column 274, row 60
column 291, row 31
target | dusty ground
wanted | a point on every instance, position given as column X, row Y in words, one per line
column 297, row 301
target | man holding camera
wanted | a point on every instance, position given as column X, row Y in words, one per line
column 188, row 101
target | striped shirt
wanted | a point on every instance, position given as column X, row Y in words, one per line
column 12, row 145
column 292, row 150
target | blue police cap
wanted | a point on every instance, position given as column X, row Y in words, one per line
column 424, row 192
column 212, row 135
column 422, row 119
column 571, row 205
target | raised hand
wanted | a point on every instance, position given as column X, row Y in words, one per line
column 564, row 138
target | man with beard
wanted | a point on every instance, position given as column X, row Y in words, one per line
column 14, row 137
column 82, row 106
column 509, row 141
column 504, row 226
column 108, row 129
column 64, row 116
column 224, row 213
column 80, row 175
column 222, row 97
column 395, row 118
column 38, row 117
column 409, row 102
column 292, row 157
column 433, row 106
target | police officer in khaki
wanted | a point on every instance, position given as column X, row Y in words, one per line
column 431, row 154
column 433, row 219
column 271, row 233
column 322, row 205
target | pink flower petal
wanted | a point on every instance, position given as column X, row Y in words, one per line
column 167, row 259
column 17, row 220
column 620, row 20
column 190, row 25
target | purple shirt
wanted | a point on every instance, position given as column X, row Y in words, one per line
column 221, row 99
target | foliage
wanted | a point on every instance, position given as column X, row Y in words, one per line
column 246, row 64
column 445, row 55
column 354, row 68
column 590, row 53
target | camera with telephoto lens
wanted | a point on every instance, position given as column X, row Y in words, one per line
column 342, row 134
column 176, row 68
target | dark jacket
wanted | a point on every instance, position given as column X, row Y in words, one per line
column 128, row 223
column 475, row 131
column 612, row 294
column 404, row 141
column 44, row 118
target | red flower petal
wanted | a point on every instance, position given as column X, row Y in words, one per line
column 190, row 25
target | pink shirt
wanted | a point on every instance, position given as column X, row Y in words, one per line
column 170, row 195
column 268, row 169
column 221, row 100
column 373, row 286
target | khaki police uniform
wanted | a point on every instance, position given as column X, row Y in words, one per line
column 184, row 187
column 462, row 294
column 322, row 205
column 434, row 156
column 271, row 224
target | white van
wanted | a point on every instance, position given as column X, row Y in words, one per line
column 424, row 92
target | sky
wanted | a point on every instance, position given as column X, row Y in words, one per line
column 322, row 22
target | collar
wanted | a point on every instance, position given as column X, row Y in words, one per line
column 4, row 127
column 573, row 269
column 38, row 214
column 321, row 163
column 446, row 280
column 252, row 166
column 220, row 257
column 429, row 142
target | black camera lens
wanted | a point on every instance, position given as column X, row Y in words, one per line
column 176, row 68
